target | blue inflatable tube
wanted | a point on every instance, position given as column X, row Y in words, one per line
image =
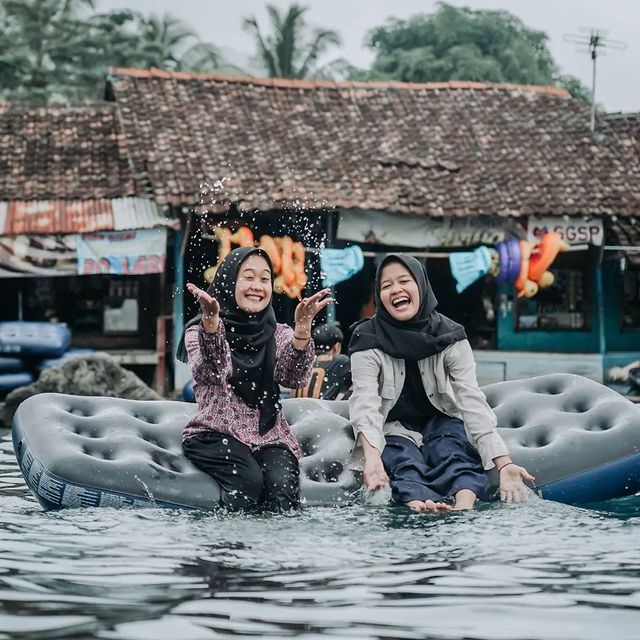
column 187, row 392
column 10, row 365
column 42, row 339
column 11, row 381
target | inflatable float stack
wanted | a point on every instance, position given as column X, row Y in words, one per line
column 26, row 348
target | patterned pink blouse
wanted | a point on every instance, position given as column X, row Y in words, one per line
column 220, row 409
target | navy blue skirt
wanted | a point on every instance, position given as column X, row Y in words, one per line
column 445, row 464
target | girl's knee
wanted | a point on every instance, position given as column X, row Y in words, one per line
column 245, row 490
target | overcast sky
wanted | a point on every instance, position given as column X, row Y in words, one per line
column 618, row 84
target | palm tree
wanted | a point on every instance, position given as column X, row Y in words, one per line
column 168, row 42
column 288, row 52
column 69, row 6
column 51, row 50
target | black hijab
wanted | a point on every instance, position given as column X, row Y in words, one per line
column 251, row 338
column 426, row 334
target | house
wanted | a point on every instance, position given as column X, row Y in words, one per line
column 81, row 239
column 427, row 168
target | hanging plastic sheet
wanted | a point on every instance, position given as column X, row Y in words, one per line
column 338, row 265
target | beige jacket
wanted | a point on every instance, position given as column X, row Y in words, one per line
column 449, row 378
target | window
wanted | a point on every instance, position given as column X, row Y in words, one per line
column 630, row 304
column 560, row 307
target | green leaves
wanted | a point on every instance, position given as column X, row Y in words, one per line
column 289, row 51
column 458, row 43
column 58, row 51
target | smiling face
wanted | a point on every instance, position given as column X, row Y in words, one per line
column 253, row 287
column 399, row 292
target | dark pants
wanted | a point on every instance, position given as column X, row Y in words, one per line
column 268, row 477
column 445, row 464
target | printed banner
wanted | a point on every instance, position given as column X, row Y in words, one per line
column 379, row 227
column 134, row 252
column 38, row 255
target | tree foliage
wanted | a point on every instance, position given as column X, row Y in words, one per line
column 289, row 51
column 59, row 50
column 458, row 43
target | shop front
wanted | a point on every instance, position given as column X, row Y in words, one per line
column 107, row 284
column 291, row 238
column 585, row 322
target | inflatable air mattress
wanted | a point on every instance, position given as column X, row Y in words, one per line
column 10, row 365
column 580, row 439
column 10, row 381
column 34, row 339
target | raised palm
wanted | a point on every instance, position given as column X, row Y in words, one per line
column 209, row 305
column 309, row 308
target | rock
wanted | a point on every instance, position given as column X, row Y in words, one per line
column 93, row 375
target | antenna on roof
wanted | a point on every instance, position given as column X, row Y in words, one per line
column 592, row 43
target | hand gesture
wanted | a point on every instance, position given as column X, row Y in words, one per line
column 512, row 487
column 210, row 308
column 374, row 475
column 308, row 309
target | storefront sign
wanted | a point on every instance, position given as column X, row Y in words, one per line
column 134, row 252
column 572, row 231
column 378, row 227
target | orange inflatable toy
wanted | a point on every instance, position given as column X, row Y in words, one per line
column 269, row 246
column 243, row 237
column 287, row 258
column 547, row 251
column 292, row 278
column 526, row 288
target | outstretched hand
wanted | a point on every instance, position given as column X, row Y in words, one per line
column 308, row 309
column 374, row 475
column 209, row 305
column 512, row 487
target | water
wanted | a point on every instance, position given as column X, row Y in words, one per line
column 535, row 571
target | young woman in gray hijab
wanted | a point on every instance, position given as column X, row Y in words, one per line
column 422, row 423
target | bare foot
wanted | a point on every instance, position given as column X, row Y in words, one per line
column 465, row 499
column 416, row 505
column 436, row 507
column 428, row 505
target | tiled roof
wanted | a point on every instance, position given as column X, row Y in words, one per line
column 456, row 148
column 64, row 153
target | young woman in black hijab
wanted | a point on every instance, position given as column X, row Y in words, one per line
column 239, row 355
column 421, row 421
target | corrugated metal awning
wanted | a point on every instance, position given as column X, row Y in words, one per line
column 80, row 216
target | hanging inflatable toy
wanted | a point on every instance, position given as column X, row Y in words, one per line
column 547, row 251
column 526, row 288
column 269, row 246
column 508, row 260
column 469, row 266
column 223, row 238
column 292, row 278
column 243, row 237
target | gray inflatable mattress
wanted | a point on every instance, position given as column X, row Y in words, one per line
column 580, row 439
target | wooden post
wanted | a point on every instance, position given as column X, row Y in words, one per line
column 159, row 378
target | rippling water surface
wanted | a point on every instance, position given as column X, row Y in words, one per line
column 534, row 571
